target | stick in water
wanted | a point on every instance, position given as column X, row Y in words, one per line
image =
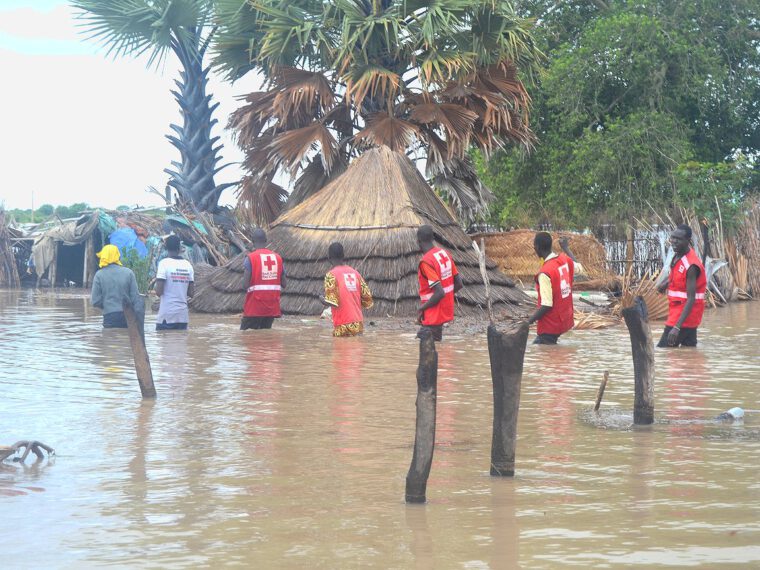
column 600, row 392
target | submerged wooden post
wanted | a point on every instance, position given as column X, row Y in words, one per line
column 424, row 436
column 642, row 348
column 506, row 350
column 140, row 353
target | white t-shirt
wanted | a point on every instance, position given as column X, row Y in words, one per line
column 177, row 274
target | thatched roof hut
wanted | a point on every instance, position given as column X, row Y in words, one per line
column 513, row 253
column 374, row 209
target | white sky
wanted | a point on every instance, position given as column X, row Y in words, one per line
column 80, row 127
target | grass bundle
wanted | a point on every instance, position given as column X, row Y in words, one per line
column 593, row 321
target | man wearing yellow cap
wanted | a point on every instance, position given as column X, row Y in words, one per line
column 112, row 284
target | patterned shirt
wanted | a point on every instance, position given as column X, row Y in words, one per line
column 332, row 296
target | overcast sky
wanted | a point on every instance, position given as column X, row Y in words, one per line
column 80, row 127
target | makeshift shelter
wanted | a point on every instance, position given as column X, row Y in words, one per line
column 64, row 253
column 374, row 209
column 514, row 255
column 9, row 276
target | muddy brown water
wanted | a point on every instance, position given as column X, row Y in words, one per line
column 288, row 449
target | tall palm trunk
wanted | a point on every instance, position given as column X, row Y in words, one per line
column 193, row 176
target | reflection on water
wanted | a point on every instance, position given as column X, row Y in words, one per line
column 288, row 448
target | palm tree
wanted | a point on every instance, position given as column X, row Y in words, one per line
column 183, row 27
column 432, row 78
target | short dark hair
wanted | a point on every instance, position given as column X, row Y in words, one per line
column 259, row 236
column 335, row 251
column 543, row 241
column 426, row 233
column 172, row 243
column 686, row 229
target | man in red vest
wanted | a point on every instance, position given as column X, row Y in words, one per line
column 264, row 279
column 554, row 284
column 346, row 294
column 439, row 280
column 686, row 287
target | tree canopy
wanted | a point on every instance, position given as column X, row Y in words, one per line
column 640, row 100
column 430, row 78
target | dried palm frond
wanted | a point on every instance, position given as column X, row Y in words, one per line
column 593, row 321
column 300, row 95
column 260, row 200
column 456, row 121
column 369, row 81
column 386, row 130
column 249, row 121
column 288, row 149
column 657, row 303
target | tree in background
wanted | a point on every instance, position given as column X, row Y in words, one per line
column 633, row 92
column 184, row 28
column 429, row 78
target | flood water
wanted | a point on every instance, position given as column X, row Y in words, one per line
column 289, row 449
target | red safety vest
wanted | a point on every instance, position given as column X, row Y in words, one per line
column 677, row 291
column 263, row 296
column 349, row 310
column 445, row 269
column 559, row 319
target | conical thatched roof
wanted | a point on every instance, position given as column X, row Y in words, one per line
column 374, row 209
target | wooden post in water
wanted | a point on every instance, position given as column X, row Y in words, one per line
column 600, row 391
column 506, row 350
column 642, row 348
column 140, row 353
column 424, row 436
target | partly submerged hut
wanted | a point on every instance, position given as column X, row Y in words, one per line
column 374, row 209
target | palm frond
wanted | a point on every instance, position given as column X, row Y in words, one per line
column 371, row 81
column 386, row 130
column 300, row 95
column 288, row 149
column 260, row 200
column 458, row 181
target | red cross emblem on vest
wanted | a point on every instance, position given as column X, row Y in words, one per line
column 443, row 259
column 270, row 262
column 350, row 280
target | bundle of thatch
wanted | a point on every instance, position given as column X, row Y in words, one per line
column 513, row 252
column 374, row 209
column 8, row 271
column 657, row 303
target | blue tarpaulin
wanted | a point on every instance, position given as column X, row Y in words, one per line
column 126, row 239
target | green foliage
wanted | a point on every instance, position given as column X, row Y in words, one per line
column 704, row 187
column 45, row 211
column 140, row 267
column 635, row 94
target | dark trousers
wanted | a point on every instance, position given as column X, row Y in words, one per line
column 114, row 320
column 546, row 338
column 436, row 330
column 686, row 337
column 171, row 326
column 256, row 323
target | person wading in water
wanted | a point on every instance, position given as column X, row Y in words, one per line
column 686, row 287
column 346, row 294
column 438, row 280
column 264, row 279
column 112, row 285
column 554, row 284
column 174, row 285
